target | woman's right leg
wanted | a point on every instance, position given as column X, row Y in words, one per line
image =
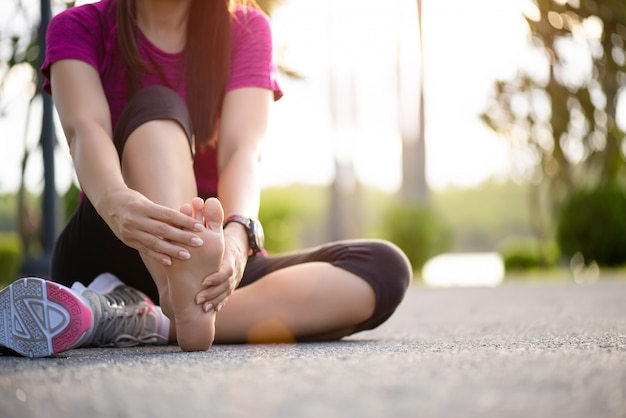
column 156, row 161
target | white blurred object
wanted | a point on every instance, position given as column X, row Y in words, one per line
column 464, row 270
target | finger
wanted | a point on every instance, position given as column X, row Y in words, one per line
column 151, row 244
column 214, row 295
column 212, row 279
column 225, row 273
column 174, row 235
column 175, row 218
column 219, row 301
column 156, row 256
column 186, row 210
column 210, row 306
column 211, row 293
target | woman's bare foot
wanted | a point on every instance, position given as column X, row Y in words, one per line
column 195, row 329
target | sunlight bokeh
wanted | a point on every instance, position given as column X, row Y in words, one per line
column 345, row 105
column 464, row 270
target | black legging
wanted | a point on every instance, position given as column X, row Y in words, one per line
column 87, row 247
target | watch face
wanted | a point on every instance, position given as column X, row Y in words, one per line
column 256, row 234
column 256, row 238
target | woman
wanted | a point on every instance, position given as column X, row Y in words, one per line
column 162, row 101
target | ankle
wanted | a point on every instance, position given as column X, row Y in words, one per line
column 164, row 328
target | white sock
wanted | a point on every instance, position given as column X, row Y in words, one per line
column 78, row 288
column 164, row 323
column 104, row 283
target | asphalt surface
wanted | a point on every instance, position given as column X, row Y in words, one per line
column 519, row 350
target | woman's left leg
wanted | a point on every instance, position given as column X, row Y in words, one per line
column 323, row 293
column 311, row 301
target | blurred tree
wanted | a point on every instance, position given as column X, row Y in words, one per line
column 24, row 33
column 418, row 229
column 268, row 6
column 563, row 116
column 414, row 188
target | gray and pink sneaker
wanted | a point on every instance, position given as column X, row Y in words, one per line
column 122, row 316
column 39, row 318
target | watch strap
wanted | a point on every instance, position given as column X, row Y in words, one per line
column 254, row 243
column 239, row 219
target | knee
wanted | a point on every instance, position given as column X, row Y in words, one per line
column 383, row 265
column 388, row 260
column 152, row 103
column 388, row 271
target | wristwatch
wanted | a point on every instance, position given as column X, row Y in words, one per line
column 253, row 229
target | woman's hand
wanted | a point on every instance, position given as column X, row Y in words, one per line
column 221, row 284
column 156, row 231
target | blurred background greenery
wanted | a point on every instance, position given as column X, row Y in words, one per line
column 563, row 121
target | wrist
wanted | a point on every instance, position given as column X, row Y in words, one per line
column 105, row 200
column 253, row 230
column 238, row 236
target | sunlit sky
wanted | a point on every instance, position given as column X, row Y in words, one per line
column 352, row 44
column 467, row 45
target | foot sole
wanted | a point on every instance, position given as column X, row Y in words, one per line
column 39, row 318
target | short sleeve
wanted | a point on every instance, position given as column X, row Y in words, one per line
column 75, row 33
column 252, row 59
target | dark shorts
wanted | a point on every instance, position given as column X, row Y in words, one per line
column 379, row 263
column 87, row 247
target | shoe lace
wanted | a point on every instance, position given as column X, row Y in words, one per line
column 124, row 329
column 125, row 340
column 124, row 319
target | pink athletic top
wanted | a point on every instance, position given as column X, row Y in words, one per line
column 88, row 33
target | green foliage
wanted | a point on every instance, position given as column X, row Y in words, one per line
column 521, row 259
column 418, row 230
column 268, row 6
column 10, row 258
column 70, row 201
column 484, row 216
column 526, row 254
column 8, row 212
column 593, row 223
column 479, row 219
column 292, row 217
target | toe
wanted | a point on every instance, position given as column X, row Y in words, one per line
column 186, row 209
column 213, row 214
column 197, row 204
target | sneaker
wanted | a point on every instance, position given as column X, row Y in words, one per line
column 39, row 318
column 123, row 317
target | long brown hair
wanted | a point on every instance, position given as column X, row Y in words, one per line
column 206, row 55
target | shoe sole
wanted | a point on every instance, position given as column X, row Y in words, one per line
column 39, row 318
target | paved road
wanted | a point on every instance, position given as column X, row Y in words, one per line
column 518, row 350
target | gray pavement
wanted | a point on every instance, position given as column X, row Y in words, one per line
column 519, row 350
